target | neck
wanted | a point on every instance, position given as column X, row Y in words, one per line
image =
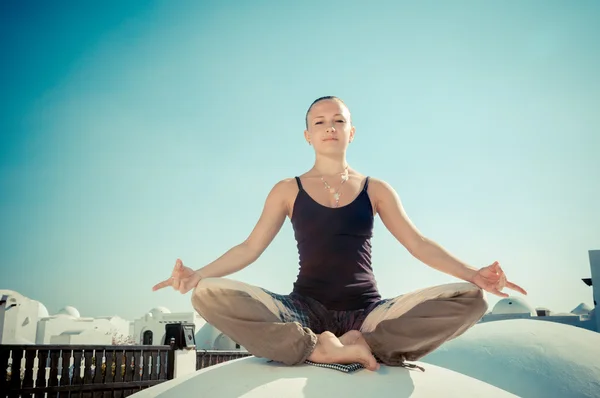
column 330, row 165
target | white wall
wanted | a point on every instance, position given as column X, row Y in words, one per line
column 59, row 324
column 155, row 322
column 121, row 329
column 82, row 337
column 19, row 319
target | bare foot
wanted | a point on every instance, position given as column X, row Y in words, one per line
column 330, row 349
column 354, row 337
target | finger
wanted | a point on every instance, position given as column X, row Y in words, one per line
column 493, row 269
column 489, row 268
column 498, row 268
column 162, row 284
column 491, row 279
column 502, row 282
column 176, row 283
column 498, row 293
column 177, row 269
column 516, row 287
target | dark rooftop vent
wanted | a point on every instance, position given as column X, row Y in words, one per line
column 587, row 281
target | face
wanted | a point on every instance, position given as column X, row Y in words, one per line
column 329, row 126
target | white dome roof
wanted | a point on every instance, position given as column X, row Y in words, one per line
column 11, row 293
column 159, row 310
column 528, row 357
column 513, row 305
column 257, row 378
column 13, row 298
column 42, row 310
column 68, row 310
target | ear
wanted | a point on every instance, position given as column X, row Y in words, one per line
column 307, row 136
column 352, row 131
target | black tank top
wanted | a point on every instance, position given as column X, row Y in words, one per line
column 334, row 246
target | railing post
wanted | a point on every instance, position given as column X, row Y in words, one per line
column 171, row 360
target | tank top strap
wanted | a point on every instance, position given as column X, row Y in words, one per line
column 299, row 184
column 366, row 184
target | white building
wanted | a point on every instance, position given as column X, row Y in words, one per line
column 19, row 318
column 582, row 316
column 68, row 327
column 519, row 308
column 26, row 321
column 150, row 329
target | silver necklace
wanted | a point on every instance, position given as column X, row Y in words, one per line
column 336, row 193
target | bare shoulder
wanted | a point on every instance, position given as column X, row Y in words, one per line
column 379, row 186
column 284, row 192
column 381, row 192
column 285, row 186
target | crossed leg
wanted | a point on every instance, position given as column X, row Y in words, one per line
column 269, row 328
column 409, row 327
column 405, row 328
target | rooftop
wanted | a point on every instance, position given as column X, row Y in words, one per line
column 257, row 378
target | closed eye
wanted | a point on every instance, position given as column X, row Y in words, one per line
column 341, row 121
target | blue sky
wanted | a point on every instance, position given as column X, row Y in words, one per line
column 139, row 132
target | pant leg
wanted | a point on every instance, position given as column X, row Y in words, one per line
column 255, row 319
column 409, row 327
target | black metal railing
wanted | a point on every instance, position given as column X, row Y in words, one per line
column 87, row 371
column 205, row 358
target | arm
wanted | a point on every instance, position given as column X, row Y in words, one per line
column 267, row 227
column 393, row 216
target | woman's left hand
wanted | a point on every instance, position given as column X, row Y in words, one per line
column 492, row 279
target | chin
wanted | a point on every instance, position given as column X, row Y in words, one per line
column 333, row 149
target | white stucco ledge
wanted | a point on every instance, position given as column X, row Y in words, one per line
column 252, row 377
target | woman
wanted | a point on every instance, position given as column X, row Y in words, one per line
column 335, row 313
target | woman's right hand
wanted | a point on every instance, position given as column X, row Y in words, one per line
column 183, row 279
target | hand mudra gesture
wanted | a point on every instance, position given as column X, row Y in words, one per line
column 183, row 279
column 492, row 279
